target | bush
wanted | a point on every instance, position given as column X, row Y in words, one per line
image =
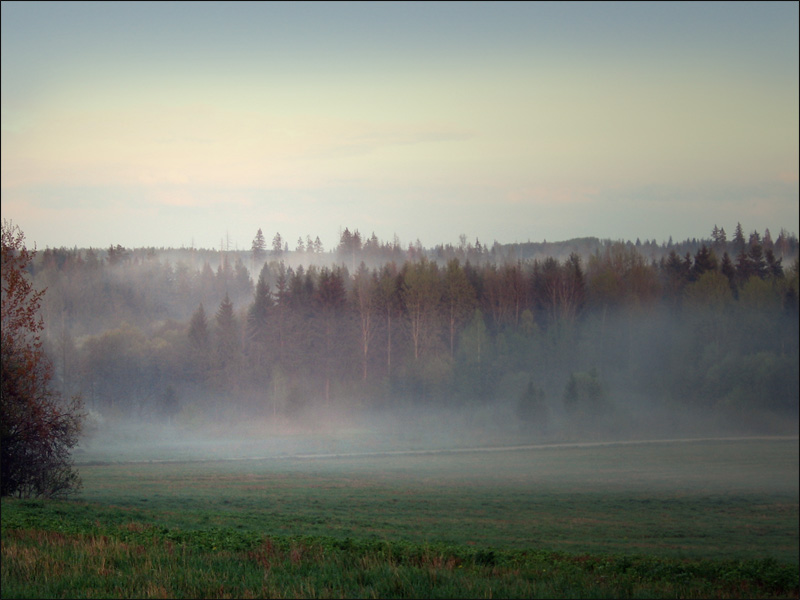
column 584, row 396
column 37, row 428
column 532, row 407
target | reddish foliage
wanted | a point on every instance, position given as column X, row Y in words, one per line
column 38, row 428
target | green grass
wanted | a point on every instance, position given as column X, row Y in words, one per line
column 711, row 519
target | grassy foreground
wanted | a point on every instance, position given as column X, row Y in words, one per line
column 692, row 520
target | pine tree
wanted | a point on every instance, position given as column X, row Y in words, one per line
column 198, row 328
column 228, row 345
column 774, row 266
column 241, row 278
column 199, row 360
column 277, row 246
column 677, row 274
column 767, row 240
column 330, row 299
column 704, row 261
column 727, row 269
column 744, row 268
column 263, row 299
column 259, row 247
column 719, row 238
column 258, row 325
column 739, row 242
column 755, row 254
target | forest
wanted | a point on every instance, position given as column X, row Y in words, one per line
column 572, row 339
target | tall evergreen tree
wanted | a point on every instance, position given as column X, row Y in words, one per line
column 330, row 299
column 277, row 246
column 241, row 278
column 721, row 241
column 744, row 268
column 704, row 261
column 258, row 324
column 259, row 247
column 739, row 243
column 198, row 328
column 766, row 241
column 727, row 269
column 755, row 254
column 774, row 267
column 228, row 343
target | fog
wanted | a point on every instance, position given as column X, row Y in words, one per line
column 330, row 433
column 369, row 349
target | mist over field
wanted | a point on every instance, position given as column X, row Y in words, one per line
column 369, row 348
column 400, row 300
column 471, row 413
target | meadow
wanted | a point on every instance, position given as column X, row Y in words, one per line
column 666, row 519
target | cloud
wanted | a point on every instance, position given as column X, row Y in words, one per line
column 361, row 139
column 196, row 144
column 544, row 195
column 196, row 197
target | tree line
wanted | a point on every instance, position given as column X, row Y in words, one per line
column 140, row 335
column 572, row 341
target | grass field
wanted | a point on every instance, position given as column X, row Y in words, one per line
column 680, row 519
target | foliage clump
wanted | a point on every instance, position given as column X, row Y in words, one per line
column 37, row 427
column 532, row 407
column 584, row 396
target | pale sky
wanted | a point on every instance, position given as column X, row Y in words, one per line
column 171, row 124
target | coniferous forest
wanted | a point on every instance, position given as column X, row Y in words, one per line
column 570, row 339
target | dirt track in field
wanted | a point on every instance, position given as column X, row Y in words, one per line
column 284, row 455
column 539, row 446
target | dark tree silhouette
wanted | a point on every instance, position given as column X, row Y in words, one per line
column 38, row 428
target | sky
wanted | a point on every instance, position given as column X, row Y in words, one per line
column 195, row 124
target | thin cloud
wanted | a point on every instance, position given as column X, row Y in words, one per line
column 373, row 139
